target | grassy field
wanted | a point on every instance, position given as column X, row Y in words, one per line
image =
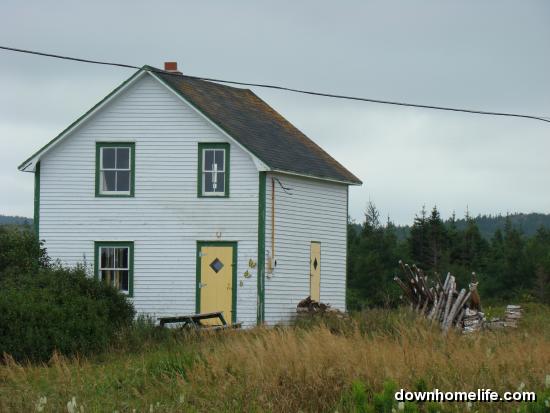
column 314, row 367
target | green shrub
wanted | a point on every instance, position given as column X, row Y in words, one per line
column 20, row 250
column 61, row 310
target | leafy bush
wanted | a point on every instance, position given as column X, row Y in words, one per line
column 57, row 309
column 20, row 249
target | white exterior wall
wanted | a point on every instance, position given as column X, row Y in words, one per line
column 313, row 211
column 165, row 219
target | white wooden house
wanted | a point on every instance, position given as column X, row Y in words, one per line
column 192, row 196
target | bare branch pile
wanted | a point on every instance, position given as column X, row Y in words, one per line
column 441, row 302
column 446, row 305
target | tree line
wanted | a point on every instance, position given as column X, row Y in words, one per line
column 509, row 265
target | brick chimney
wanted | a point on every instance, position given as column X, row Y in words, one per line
column 171, row 67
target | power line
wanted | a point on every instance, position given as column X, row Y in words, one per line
column 288, row 89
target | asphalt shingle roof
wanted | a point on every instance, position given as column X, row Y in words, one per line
column 258, row 127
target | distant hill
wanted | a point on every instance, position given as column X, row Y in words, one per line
column 488, row 224
column 14, row 220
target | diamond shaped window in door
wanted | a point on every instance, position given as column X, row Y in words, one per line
column 216, row 265
column 315, row 264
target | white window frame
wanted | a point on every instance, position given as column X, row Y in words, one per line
column 127, row 268
column 214, row 171
column 102, row 169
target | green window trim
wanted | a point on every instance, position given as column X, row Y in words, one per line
column 210, row 145
column 36, row 220
column 98, row 147
column 347, row 252
column 260, row 317
column 126, row 244
column 232, row 244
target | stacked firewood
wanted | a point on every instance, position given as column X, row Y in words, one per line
column 472, row 321
column 512, row 316
column 439, row 302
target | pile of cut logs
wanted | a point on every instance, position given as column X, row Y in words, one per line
column 444, row 304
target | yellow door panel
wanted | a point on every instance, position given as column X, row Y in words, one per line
column 216, row 281
column 315, row 271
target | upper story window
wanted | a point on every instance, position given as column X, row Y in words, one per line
column 115, row 169
column 213, row 179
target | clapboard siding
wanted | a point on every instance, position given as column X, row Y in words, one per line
column 313, row 210
column 165, row 218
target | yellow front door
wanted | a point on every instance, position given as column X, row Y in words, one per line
column 216, row 280
column 315, row 271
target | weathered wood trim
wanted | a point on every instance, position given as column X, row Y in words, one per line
column 261, row 247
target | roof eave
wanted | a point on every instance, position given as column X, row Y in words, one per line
column 320, row 178
column 261, row 164
column 31, row 161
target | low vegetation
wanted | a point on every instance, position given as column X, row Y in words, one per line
column 45, row 308
column 58, row 310
column 317, row 366
column 68, row 342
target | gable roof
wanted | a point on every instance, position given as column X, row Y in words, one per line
column 252, row 123
column 258, row 127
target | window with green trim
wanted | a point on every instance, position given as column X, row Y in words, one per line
column 115, row 169
column 114, row 264
column 213, row 179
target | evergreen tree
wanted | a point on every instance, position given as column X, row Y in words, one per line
column 472, row 246
column 418, row 240
column 538, row 252
column 508, row 266
column 512, row 278
column 437, row 242
column 373, row 261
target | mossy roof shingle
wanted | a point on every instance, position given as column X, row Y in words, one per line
column 258, row 127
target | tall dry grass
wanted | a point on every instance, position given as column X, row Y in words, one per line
column 287, row 369
column 292, row 370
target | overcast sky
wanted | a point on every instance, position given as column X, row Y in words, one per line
column 489, row 55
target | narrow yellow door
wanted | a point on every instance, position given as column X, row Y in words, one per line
column 315, row 271
column 216, row 281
